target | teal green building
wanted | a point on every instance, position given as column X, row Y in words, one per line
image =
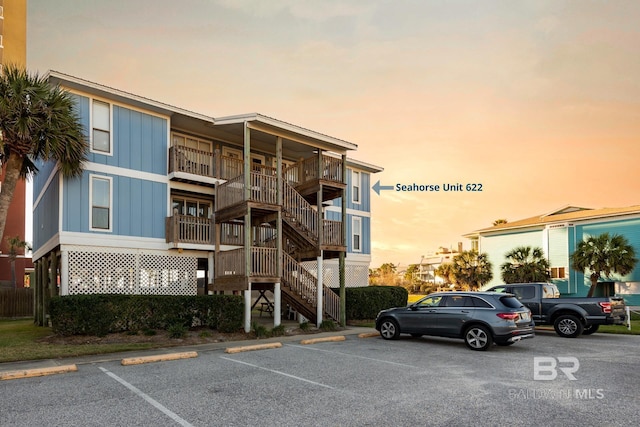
column 558, row 233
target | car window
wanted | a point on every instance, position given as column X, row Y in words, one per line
column 511, row 302
column 455, row 301
column 501, row 289
column 479, row 302
column 524, row 292
column 433, row 301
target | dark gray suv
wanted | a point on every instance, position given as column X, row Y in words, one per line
column 480, row 318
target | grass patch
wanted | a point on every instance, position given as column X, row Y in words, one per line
column 19, row 340
column 621, row 329
column 365, row 323
column 305, row 326
column 328, row 326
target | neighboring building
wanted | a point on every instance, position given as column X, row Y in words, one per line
column 13, row 50
column 558, row 234
column 429, row 264
column 165, row 200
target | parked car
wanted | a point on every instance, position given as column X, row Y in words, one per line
column 570, row 316
column 479, row 318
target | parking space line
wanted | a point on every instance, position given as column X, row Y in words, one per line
column 404, row 365
column 279, row 373
column 149, row 399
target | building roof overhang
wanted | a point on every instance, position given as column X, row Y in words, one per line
column 565, row 215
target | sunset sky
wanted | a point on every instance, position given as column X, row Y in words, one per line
column 538, row 101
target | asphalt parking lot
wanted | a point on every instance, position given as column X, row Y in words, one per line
column 356, row 382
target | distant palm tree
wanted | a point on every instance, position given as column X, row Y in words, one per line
column 499, row 221
column 525, row 265
column 445, row 271
column 15, row 245
column 603, row 255
column 37, row 121
column 472, row 269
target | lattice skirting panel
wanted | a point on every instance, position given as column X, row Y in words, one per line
column 356, row 274
column 130, row 271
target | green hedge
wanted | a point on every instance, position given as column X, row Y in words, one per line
column 365, row 303
column 102, row 314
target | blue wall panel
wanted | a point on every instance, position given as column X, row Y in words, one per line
column 365, row 237
column 45, row 216
column 365, row 192
column 139, row 139
column 75, row 207
column 139, row 206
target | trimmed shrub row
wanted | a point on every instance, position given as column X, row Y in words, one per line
column 365, row 302
column 102, row 314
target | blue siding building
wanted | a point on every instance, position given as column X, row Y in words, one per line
column 558, row 234
column 174, row 202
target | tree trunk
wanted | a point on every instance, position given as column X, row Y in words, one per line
column 12, row 169
column 594, row 283
column 14, row 282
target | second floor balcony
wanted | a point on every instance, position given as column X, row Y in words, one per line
column 200, row 164
column 187, row 229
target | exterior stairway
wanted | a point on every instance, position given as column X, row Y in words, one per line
column 302, row 241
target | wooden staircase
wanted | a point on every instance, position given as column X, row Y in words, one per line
column 299, row 289
column 301, row 232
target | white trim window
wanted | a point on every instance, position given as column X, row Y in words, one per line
column 356, row 234
column 101, row 197
column 355, row 186
column 101, row 127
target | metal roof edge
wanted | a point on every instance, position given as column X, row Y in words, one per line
column 289, row 127
column 63, row 77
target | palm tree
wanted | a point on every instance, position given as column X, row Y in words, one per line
column 472, row 269
column 603, row 255
column 37, row 122
column 525, row 265
column 446, row 272
column 15, row 244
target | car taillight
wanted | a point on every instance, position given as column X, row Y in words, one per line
column 508, row 316
column 606, row 307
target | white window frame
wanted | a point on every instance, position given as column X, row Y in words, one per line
column 356, row 187
column 110, row 130
column 204, row 145
column 356, row 230
column 92, row 178
column 198, row 203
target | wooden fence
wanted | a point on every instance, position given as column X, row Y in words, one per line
column 16, row 302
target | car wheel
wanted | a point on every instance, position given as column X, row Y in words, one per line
column 591, row 329
column 389, row 329
column 478, row 338
column 568, row 326
column 416, row 335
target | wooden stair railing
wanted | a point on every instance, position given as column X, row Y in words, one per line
column 300, row 214
column 301, row 287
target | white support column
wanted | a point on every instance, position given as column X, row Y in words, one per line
column 319, row 309
column 64, row 272
column 247, row 309
column 277, row 310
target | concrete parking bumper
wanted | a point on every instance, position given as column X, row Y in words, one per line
column 37, row 372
